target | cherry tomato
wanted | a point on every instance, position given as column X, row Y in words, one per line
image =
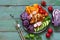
column 50, row 31
column 50, row 8
column 40, row 7
column 46, row 14
column 43, row 3
column 48, row 35
column 41, row 10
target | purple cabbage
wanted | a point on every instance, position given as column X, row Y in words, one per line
column 24, row 16
column 30, row 28
column 56, row 17
column 26, row 23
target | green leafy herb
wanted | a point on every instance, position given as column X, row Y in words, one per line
column 33, row 37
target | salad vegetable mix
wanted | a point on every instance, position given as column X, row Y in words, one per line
column 35, row 18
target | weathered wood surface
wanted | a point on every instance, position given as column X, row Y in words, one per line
column 28, row 2
column 9, row 36
column 16, row 7
column 55, row 36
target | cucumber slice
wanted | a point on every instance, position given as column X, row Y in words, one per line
column 47, row 22
column 41, row 27
column 44, row 24
column 38, row 29
column 35, row 29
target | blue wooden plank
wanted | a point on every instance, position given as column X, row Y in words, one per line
column 17, row 2
column 15, row 10
column 6, row 22
column 27, row 2
column 54, row 36
column 9, row 36
column 7, row 25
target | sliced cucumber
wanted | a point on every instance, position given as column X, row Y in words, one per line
column 38, row 29
column 47, row 22
column 41, row 27
column 35, row 29
column 44, row 24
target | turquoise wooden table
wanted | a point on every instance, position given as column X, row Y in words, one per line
column 16, row 7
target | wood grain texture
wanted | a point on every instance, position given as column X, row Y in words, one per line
column 54, row 36
column 7, row 25
column 27, row 2
column 16, row 7
column 9, row 36
column 6, row 22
